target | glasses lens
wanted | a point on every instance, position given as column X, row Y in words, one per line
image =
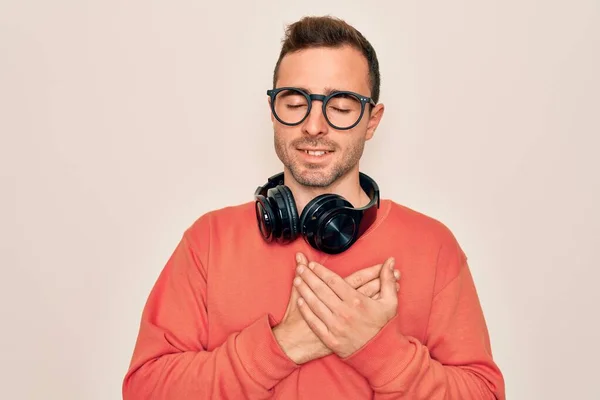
column 343, row 110
column 291, row 106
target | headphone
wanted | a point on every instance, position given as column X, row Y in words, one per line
column 329, row 223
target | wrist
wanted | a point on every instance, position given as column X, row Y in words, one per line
column 284, row 343
column 258, row 352
column 291, row 349
column 384, row 356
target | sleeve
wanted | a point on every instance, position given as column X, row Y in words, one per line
column 170, row 359
column 455, row 362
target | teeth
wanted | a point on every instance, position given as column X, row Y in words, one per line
column 315, row 153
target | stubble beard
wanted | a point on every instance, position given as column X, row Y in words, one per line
column 314, row 175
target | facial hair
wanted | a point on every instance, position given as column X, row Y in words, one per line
column 313, row 175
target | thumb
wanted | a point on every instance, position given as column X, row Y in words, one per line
column 294, row 298
column 292, row 303
column 388, row 280
column 294, row 294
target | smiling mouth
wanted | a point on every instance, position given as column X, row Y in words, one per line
column 317, row 153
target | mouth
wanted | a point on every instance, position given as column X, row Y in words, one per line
column 316, row 152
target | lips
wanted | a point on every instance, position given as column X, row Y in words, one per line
column 315, row 152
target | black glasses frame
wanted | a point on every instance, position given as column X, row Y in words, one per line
column 364, row 100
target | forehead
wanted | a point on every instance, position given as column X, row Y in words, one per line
column 322, row 68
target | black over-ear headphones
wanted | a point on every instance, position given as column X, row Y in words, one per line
column 329, row 222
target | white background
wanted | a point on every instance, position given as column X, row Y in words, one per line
column 123, row 121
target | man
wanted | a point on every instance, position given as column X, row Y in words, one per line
column 306, row 294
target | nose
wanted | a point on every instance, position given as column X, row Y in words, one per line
column 315, row 123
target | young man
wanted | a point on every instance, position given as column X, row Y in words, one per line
column 318, row 289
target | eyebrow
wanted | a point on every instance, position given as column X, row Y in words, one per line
column 327, row 92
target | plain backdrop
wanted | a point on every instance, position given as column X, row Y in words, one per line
column 121, row 122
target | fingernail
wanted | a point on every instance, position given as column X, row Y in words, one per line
column 311, row 265
column 298, row 257
column 397, row 287
column 300, row 269
column 297, row 281
column 397, row 274
column 300, row 301
column 392, row 264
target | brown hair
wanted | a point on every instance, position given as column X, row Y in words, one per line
column 310, row 32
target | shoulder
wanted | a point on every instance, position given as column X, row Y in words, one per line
column 420, row 225
column 232, row 217
column 216, row 227
column 427, row 234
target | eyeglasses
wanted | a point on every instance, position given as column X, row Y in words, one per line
column 342, row 109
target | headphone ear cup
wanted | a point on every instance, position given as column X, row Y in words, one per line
column 337, row 231
column 287, row 214
column 329, row 224
column 266, row 218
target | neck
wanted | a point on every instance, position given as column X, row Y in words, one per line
column 347, row 186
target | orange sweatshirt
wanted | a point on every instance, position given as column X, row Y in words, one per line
column 206, row 330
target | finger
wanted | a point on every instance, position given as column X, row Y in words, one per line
column 318, row 307
column 313, row 322
column 301, row 258
column 361, row 277
column 388, row 280
column 327, row 285
column 377, row 295
column 370, row 288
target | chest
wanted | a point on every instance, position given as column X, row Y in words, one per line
column 245, row 284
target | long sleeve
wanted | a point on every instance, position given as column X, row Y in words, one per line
column 455, row 362
column 170, row 358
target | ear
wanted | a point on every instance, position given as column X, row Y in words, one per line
column 374, row 119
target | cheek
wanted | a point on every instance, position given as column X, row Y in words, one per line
column 348, row 139
column 283, row 141
column 286, row 134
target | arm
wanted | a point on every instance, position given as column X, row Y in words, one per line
column 454, row 363
column 171, row 360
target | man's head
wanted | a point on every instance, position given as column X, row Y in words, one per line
column 320, row 55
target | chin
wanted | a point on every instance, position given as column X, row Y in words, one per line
column 318, row 177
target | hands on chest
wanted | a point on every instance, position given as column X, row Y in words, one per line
column 329, row 314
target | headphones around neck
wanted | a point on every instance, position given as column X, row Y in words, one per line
column 328, row 223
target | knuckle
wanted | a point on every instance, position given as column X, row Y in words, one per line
column 346, row 319
column 357, row 303
column 357, row 281
column 311, row 324
column 332, row 280
column 376, row 286
column 336, row 329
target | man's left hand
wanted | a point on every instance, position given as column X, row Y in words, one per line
column 343, row 318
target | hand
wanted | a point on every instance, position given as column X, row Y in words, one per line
column 294, row 335
column 340, row 316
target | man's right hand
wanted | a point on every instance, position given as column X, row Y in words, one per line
column 294, row 335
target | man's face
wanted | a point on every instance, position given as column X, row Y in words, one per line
column 320, row 70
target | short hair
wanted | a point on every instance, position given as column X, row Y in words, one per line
column 327, row 31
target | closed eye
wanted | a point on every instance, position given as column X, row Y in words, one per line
column 340, row 110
